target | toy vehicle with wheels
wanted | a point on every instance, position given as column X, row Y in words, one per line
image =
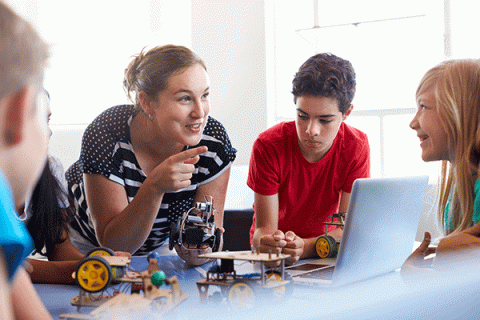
column 196, row 228
column 101, row 267
column 327, row 246
column 242, row 291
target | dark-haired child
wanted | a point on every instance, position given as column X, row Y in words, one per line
column 302, row 171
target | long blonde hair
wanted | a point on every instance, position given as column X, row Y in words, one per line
column 456, row 87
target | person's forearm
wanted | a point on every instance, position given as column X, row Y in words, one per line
column 130, row 228
column 52, row 271
column 258, row 234
column 26, row 302
column 337, row 233
column 458, row 242
column 65, row 251
column 309, row 250
column 6, row 306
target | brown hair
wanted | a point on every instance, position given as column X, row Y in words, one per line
column 326, row 75
column 149, row 71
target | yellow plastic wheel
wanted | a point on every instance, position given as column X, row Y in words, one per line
column 274, row 276
column 93, row 274
column 280, row 291
column 101, row 252
column 106, row 252
column 326, row 247
column 241, row 296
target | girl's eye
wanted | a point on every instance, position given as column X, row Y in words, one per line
column 206, row 95
column 303, row 117
column 422, row 106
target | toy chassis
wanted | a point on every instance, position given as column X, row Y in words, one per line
column 196, row 227
column 241, row 291
column 101, row 268
column 327, row 246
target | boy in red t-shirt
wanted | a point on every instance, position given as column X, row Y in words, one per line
column 303, row 171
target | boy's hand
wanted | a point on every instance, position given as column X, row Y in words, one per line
column 288, row 243
column 272, row 243
column 294, row 247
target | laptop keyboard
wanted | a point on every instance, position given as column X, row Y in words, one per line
column 325, row 273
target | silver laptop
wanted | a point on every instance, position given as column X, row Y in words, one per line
column 378, row 235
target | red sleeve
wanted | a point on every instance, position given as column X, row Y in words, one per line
column 360, row 165
column 263, row 172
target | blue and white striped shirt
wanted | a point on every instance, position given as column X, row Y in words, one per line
column 107, row 150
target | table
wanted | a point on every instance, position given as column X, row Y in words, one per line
column 57, row 297
column 384, row 297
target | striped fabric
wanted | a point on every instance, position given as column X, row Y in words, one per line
column 107, row 150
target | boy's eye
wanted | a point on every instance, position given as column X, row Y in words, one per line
column 323, row 121
column 303, row 117
column 206, row 95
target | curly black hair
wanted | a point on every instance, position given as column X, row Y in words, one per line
column 326, row 75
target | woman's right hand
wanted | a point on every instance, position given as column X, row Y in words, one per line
column 175, row 172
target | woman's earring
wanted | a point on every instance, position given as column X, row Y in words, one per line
column 150, row 116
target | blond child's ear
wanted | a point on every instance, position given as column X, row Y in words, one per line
column 14, row 109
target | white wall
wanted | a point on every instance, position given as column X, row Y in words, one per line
column 230, row 38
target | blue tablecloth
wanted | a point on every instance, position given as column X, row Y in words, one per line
column 385, row 297
column 57, row 298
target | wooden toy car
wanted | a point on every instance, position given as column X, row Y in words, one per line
column 101, row 268
column 327, row 246
column 241, row 291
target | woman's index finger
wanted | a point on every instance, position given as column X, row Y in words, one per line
column 190, row 153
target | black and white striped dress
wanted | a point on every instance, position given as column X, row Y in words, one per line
column 107, row 150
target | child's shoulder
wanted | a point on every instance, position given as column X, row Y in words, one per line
column 352, row 135
column 278, row 132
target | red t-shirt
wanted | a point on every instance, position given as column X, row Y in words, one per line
column 308, row 192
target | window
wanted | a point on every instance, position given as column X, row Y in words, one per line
column 390, row 48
